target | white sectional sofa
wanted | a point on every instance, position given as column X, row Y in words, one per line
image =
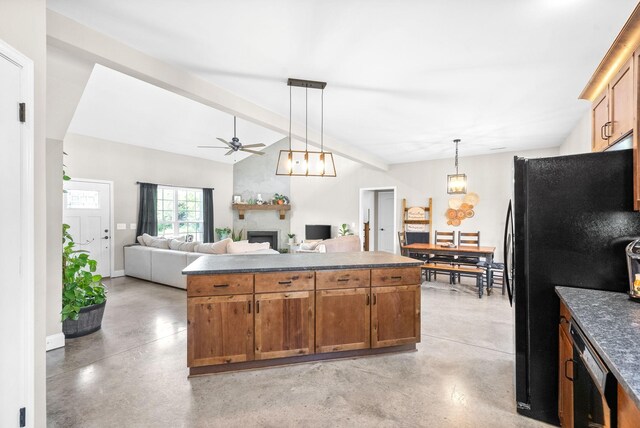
column 165, row 266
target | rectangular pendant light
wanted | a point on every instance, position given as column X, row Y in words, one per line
column 306, row 163
column 456, row 184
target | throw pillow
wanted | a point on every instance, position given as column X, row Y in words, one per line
column 154, row 241
column 176, row 244
column 141, row 241
column 246, row 247
column 219, row 247
column 309, row 245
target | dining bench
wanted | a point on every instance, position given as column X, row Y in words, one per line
column 478, row 272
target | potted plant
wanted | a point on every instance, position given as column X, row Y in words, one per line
column 279, row 199
column 292, row 238
column 223, row 233
column 344, row 230
column 238, row 237
column 83, row 293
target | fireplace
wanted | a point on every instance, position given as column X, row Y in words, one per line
column 264, row 236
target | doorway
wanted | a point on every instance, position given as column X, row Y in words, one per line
column 87, row 208
column 17, row 257
column 378, row 207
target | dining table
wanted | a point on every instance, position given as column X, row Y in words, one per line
column 443, row 250
column 458, row 250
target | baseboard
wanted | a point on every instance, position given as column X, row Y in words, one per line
column 55, row 341
column 117, row 273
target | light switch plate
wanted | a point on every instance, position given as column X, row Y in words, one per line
column 121, row 226
column 132, row 226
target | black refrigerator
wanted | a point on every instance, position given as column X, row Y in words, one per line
column 572, row 218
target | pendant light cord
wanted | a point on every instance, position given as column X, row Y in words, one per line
column 306, row 121
column 289, row 119
column 456, row 141
column 322, row 122
column 234, row 127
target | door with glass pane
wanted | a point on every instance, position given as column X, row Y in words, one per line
column 180, row 212
column 87, row 209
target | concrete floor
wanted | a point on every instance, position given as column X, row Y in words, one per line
column 133, row 373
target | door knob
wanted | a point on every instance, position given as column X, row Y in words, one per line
column 105, row 237
column 382, row 228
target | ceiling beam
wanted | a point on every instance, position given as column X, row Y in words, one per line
column 96, row 47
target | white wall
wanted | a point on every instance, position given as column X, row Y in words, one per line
column 579, row 139
column 335, row 200
column 23, row 26
column 124, row 164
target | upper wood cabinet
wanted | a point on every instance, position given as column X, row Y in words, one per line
column 220, row 329
column 600, row 123
column 284, row 324
column 612, row 113
column 395, row 315
column 621, row 111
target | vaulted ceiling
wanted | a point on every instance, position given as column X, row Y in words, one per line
column 404, row 78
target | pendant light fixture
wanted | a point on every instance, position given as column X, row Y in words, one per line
column 456, row 183
column 307, row 163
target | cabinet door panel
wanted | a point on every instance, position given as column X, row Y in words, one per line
column 565, row 386
column 395, row 315
column 284, row 324
column 599, row 117
column 343, row 320
column 621, row 102
column 220, row 330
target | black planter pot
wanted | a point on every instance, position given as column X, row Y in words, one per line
column 89, row 321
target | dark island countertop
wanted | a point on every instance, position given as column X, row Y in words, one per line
column 611, row 322
column 241, row 263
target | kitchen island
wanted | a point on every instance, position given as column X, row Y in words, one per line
column 251, row 311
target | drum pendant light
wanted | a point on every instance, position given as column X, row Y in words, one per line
column 456, row 183
column 307, row 163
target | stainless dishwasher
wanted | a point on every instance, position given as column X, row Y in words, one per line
column 594, row 386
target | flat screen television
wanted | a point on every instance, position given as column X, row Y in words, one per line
column 317, row 231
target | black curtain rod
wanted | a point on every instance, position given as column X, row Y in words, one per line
column 173, row 185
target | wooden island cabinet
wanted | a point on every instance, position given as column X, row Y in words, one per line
column 257, row 311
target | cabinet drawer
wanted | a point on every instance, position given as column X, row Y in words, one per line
column 395, row 276
column 284, row 281
column 218, row 285
column 332, row 279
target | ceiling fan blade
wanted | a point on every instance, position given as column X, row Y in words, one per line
column 252, row 151
column 212, row 147
column 226, row 142
column 230, row 152
column 253, row 145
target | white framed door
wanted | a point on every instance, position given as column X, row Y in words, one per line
column 385, row 230
column 87, row 209
column 374, row 213
column 16, row 258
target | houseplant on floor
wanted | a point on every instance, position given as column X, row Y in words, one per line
column 83, row 293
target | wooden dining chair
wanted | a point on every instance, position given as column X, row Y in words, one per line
column 443, row 238
column 417, row 238
column 402, row 242
column 469, row 240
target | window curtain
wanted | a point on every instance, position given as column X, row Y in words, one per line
column 148, row 210
column 207, row 212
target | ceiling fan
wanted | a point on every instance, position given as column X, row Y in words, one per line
column 235, row 144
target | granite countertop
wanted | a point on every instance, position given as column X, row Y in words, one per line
column 228, row 263
column 611, row 322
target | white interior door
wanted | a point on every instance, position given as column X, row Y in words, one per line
column 87, row 210
column 16, row 361
column 384, row 229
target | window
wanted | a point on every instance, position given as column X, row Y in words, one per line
column 83, row 199
column 180, row 212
